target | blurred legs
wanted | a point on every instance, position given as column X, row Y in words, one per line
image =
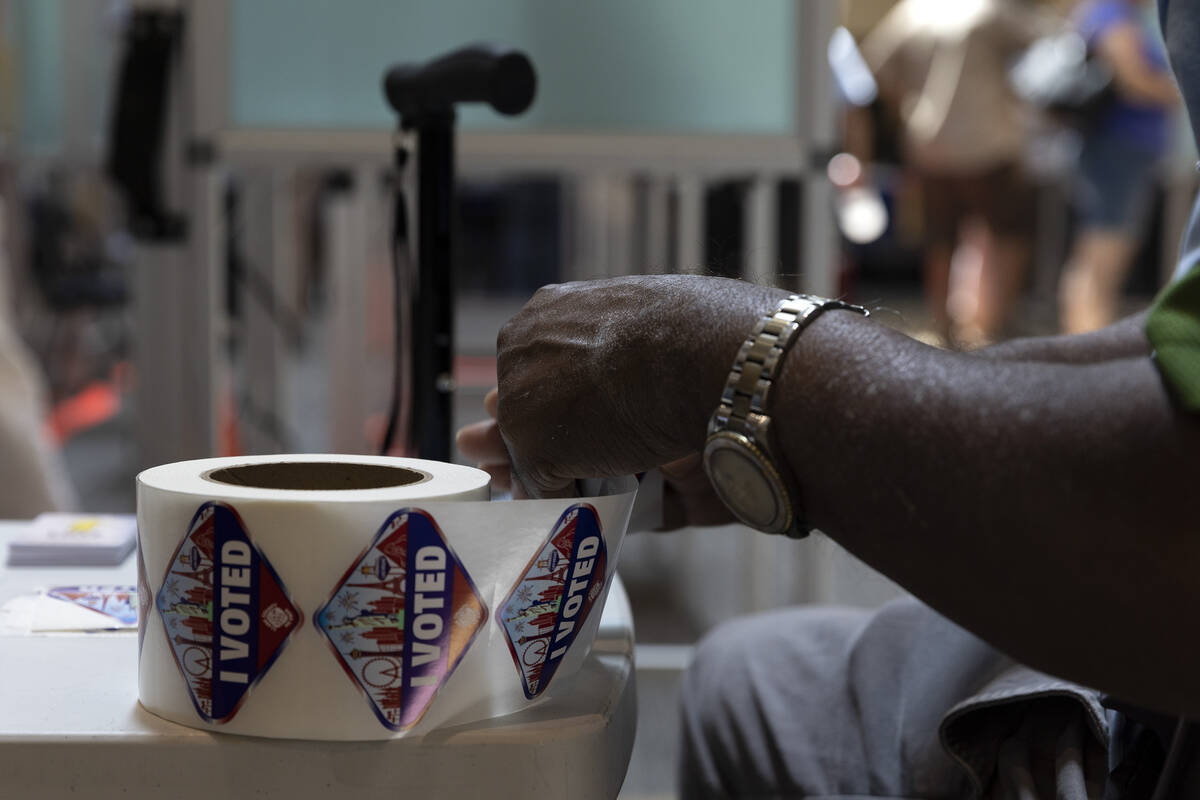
column 1091, row 281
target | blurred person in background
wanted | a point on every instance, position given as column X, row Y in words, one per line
column 1116, row 165
column 32, row 477
column 943, row 66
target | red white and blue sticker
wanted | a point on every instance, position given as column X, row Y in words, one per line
column 402, row 616
column 225, row 611
column 118, row 603
column 543, row 613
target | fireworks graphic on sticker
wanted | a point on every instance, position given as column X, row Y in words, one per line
column 545, row 610
column 402, row 616
column 225, row 612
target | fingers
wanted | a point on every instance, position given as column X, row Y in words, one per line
column 481, row 442
column 688, row 470
column 526, row 486
column 688, row 496
column 491, row 402
column 501, row 476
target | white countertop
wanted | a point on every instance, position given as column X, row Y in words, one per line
column 70, row 725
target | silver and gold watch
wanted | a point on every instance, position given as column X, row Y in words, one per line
column 738, row 455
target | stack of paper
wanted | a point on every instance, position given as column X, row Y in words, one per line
column 74, row 540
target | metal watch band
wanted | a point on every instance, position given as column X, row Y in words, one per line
column 747, row 395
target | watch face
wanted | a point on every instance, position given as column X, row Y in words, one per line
column 745, row 483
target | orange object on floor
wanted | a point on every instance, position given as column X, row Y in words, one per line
column 95, row 404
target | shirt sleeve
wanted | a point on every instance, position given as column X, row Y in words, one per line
column 1173, row 324
column 1095, row 19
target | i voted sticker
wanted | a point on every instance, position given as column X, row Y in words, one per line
column 117, row 603
column 402, row 616
column 543, row 613
column 226, row 613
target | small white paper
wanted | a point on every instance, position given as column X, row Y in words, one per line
column 71, row 609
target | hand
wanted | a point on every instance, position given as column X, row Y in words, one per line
column 480, row 442
column 617, row 376
column 688, row 496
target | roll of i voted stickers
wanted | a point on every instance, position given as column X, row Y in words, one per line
column 336, row 597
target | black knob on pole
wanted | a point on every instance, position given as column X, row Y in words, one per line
column 480, row 73
column 424, row 95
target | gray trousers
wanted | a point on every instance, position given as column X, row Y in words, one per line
column 826, row 703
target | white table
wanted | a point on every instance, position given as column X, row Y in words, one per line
column 71, row 726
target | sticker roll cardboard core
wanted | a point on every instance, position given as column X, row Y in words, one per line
column 317, row 476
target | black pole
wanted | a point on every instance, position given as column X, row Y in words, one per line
column 424, row 96
column 433, row 301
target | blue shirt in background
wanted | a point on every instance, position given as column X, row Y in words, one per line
column 1143, row 127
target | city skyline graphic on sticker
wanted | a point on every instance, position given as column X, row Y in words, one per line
column 118, row 603
column 402, row 616
column 225, row 612
column 543, row 613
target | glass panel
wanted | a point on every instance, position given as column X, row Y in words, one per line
column 691, row 66
column 38, row 28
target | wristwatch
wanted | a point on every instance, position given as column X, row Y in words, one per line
column 738, row 455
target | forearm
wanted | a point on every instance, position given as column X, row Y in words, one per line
column 1147, row 88
column 1125, row 338
column 1137, row 82
column 1039, row 505
column 1044, row 505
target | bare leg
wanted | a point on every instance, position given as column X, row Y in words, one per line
column 937, row 286
column 1000, row 279
column 985, row 281
column 1091, row 282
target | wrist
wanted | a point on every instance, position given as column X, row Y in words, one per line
column 716, row 343
column 742, row 455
